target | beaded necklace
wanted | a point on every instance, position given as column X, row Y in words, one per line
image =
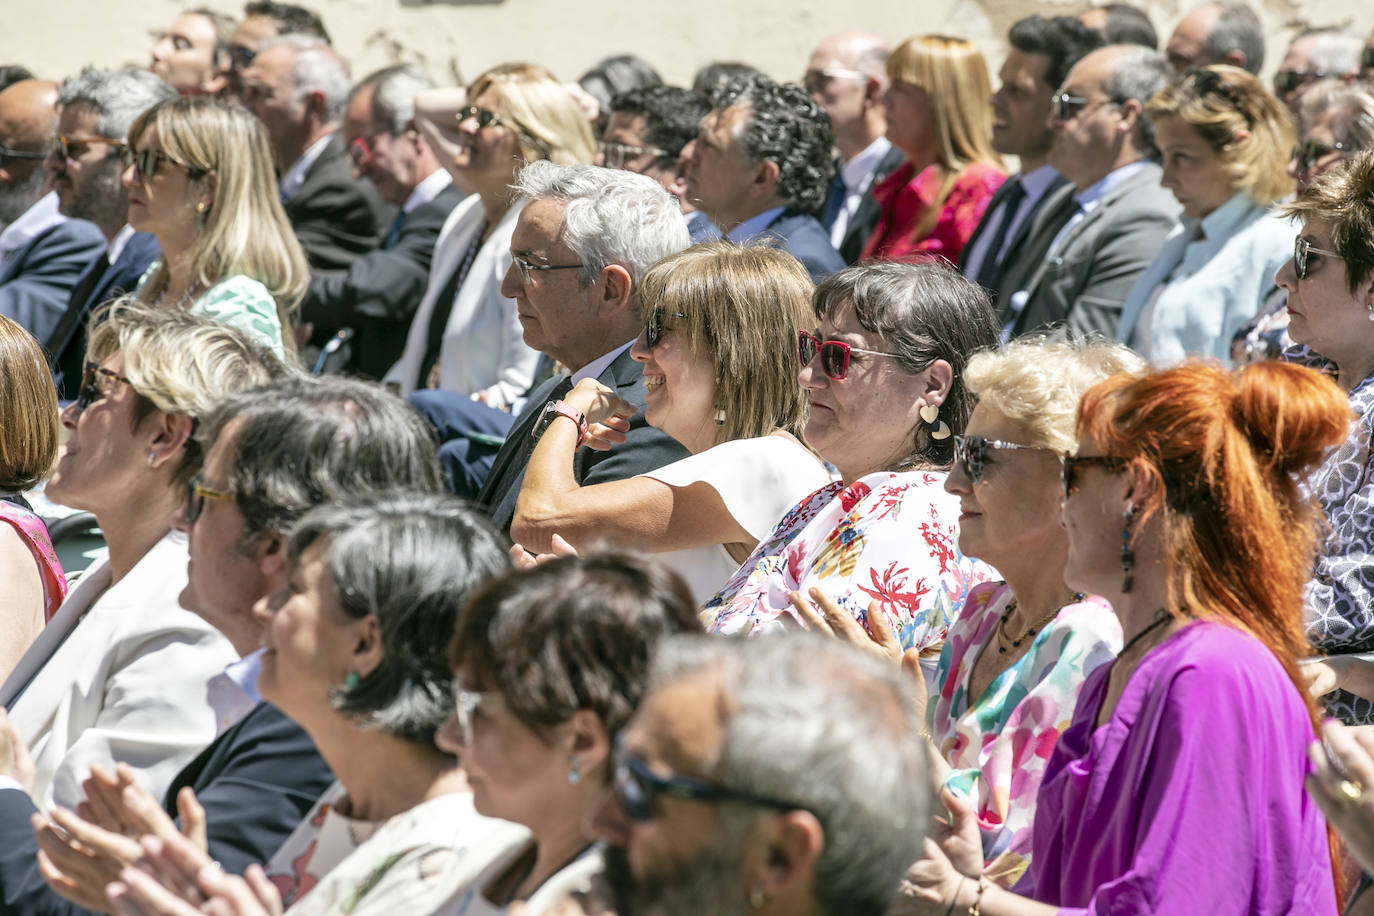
column 1033, row 628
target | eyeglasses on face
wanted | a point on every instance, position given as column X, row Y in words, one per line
column 147, row 161
column 1066, row 107
column 1069, row 465
column 525, row 267
column 1302, row 256
column 1310, row 152
column 835, row 354
column 817, row 81
column 196, row 495
column 465, row 706
column 69, row 149
column 653, row 328
column 486, row 118
column 97, row 383
column 1286, row 81
column 615, row 155
column 637, row 788
column 971, row 453
column 240, row 56
column 7, row 153
column 360, row 151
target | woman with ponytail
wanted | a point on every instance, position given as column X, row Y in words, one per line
column 1178, row 786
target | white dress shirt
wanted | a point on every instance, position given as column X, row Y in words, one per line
column 857, row 175
column 295, row 176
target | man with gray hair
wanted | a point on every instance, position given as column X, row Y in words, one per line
column 774, row 776
column 96, row 108
column 1229, row 32
column 42, row 252
column 1118, row 214
column 580, row 247
column 1316, row 54
column 847, row 76
column 298, row 87
column 376, row 298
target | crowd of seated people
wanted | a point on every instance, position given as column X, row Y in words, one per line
column 908, row 489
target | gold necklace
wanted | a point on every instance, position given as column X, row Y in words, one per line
column 1033, row 628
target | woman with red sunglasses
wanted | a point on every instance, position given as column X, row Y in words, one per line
column 884, row 377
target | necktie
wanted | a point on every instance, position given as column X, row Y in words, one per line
column 834, row 200
column 990, row 272
column 394, row 233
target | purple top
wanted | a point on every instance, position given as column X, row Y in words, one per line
column 1190, row 798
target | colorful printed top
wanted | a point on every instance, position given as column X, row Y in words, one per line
column 998, row 747
column 890, row 537
column 907, row 196
column 240, row 302
column 32, row 532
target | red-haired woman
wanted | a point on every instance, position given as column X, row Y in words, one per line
column 1178, row 786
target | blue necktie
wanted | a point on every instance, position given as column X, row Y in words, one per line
column 394, row 233
column 834, row 201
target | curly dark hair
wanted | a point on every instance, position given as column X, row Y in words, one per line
column 290, row 18
column 786, row 127
column 672, row 115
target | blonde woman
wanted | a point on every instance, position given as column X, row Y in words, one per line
column 720, row 376
column 121, row 672
column 200, row 178
column 466, row 336
column 1225, row 142
column 937, row 114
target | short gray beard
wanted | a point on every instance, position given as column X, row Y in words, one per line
column 711, row 884
column 102, row 199
column 17, row 197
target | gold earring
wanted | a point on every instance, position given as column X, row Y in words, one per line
column 200, row 207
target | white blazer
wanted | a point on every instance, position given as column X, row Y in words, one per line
column 120, row 673
column 483, row 348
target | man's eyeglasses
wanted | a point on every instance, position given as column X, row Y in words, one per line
column 360, row 151
column 7, row 153
column 196, row 495
column 615, row 155
column 524, row 267
column 971, row 453
column 1066, row 107
column 240, row 56
column 834, row 354
column 92, row 389
column 68, row 149
column 637, row 788
column 1302, row 256
column 1069, row 465
column 816, row 81
column 1286, row 81
column 147, row 161
column 653, row 328
column 1310, row 152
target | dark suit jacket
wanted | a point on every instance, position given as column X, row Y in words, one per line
column 37, row 280
column 807, row 241
column 257, row 782
column 1084, row 285
column 377, row 295
column 67, row 355
column 1027, row 248
column 866, row 217
column 644, row 448
column 335, row 217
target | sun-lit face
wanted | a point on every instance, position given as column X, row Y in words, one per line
column 164, row 204
column 184, row 56
column 105, row 452
column 910, row 119
column 1193, row 171
column 1021, row 105
column 1323, row 313
column 1091, row 515
column 87, row 179
column 718, row 174
column 679, row 388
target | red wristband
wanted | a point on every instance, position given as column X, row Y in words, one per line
column 564, row 409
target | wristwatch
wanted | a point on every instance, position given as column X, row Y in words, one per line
column 555, row 409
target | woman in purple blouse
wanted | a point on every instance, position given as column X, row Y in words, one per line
column 1178, row 786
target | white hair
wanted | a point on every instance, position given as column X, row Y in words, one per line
column 316, row 67
column 611, row 216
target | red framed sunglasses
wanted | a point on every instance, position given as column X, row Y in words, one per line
column 834, row 354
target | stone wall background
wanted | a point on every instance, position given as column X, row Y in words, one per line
column 457, row 39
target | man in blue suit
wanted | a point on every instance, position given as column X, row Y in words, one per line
column 84, row 168
column 42, row 252
column 761, row 166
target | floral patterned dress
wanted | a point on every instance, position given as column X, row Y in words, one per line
column 997, row 747
column 890, row 537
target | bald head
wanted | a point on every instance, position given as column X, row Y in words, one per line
column 846, row 76
column 28, row 118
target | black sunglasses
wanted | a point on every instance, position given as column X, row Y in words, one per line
column 147, row 161
column 636, row 788
column 1302, row 256
column 1286, row 81
column 1069, row 465
column 90, row 390
column 1310, row 152
column 68, row 149
column 7, row 153
column 971, row 453
column 834, row 354
column 196, row 494
column 653, row 328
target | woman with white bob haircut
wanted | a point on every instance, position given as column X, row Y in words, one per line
column 120, row 673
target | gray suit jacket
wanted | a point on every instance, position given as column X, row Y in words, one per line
column 1084, row 284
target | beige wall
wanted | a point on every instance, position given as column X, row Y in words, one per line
column 56, row 37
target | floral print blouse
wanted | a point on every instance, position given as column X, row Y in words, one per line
column 998, row 746
column 890, row 537
column 1339, row 599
